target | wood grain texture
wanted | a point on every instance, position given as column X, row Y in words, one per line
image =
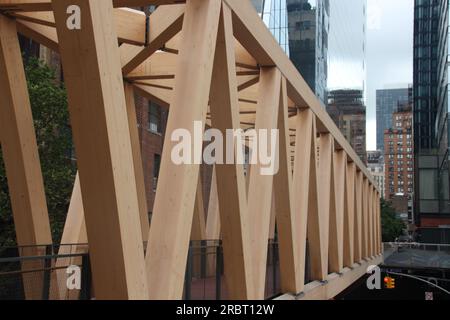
column 91, row 62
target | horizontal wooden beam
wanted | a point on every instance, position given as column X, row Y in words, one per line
column 334, row 284
column 130, row 24
column 45, row 5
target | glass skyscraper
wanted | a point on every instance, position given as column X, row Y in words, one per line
column 431, row 108
column 308, row 42
column 347, row 45
column 274, row 15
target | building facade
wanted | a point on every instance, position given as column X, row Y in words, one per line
column 388, row 101
column 274, row 15
column 399, row 155
column 431, row 107
column 347, row 109
column 375, row 164
column 308, row 42
column 326, row 46
column 347, row 45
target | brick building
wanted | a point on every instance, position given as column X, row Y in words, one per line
column 399, row 154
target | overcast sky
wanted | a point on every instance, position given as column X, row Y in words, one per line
column 389, row 52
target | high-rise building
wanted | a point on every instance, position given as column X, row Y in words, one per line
column 399, row 154
column 388, row 101
column 274, row 15
column 347, row 109
column 326, row 46
column 432, row 200
column 375, row 164
column 347, row 45
column 308, row 41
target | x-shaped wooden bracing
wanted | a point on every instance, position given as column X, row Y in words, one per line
column 212, row 61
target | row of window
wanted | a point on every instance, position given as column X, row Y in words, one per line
column 400, row 156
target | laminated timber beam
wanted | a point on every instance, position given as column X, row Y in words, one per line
column 137, row 159
column 230, row 180
column 305, row 201
column 46, row 5
column 98, row 112
column 358, row 250
column 327, row 203
column 130, row 25
column 167, row 22
column 336, row 243
column 335, row 283
column 75, row 238
column 174, row 204
column 260, row 188
column 283, row 198
column 349, row 216
column 20, row 153
column 218, row 64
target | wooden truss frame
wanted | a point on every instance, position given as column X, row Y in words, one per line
column 212, row 61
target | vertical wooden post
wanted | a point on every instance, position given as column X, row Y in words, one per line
column 175, row 198
column 365, row 225
column 305, row 191
column 374, row 221
column 20, row 153
column 74, row 233
column 336, row 242
column 137, row 160
column 288, row 246
column 327, row 203
column 349, row 224
column 230, row 178
column 198, row 232
column 273, row 222
column 380, row 234
column 359, row 216
column 260, row 189
column 370, row 221
column 93, row 77
column 377, row 223
column 213, row 216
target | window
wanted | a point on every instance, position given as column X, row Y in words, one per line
column 156, row 167
column 154, row 118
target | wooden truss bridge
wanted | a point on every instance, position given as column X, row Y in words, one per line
column 212, row 61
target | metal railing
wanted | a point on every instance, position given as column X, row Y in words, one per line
column 417, row 255
column 417, row 245
column 204, row 279
column 38, row 272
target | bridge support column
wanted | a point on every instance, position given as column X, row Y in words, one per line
column 93, row 77
column 21, row 158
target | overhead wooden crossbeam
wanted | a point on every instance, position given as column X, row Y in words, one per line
column 214, row 62
column 46, row 5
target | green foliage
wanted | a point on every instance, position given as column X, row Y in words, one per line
column 53, row 134
column 392, row 227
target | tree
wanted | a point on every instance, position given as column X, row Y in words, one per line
column 51, row 120
column 392, row 227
